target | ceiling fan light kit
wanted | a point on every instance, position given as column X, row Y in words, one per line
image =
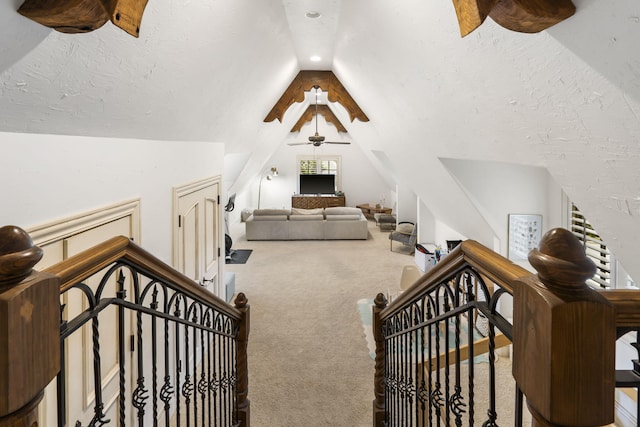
column 317, row 140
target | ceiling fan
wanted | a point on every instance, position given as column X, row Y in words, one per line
column 317, row 139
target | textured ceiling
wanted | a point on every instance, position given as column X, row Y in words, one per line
column 566, row 99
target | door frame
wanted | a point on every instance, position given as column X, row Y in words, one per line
column 183, row 190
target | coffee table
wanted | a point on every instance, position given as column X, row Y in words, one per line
column 369, row 210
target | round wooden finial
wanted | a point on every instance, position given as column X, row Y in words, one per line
column 561, row 261
column 18, row 255
column 380, row 301
column 241, row 301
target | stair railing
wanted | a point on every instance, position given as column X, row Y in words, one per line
column 563, row 336
column 190, row 361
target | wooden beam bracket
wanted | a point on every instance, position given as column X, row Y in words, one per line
column 83, row 16
column 524, row 16
column 307, row 80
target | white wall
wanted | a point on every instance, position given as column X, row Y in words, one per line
column 498, row 189
column 565, row 99
column 47, row 177
column 361, row 183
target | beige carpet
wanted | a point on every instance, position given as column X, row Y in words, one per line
column 308, row 358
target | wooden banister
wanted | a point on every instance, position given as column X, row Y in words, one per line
column 29, row 329
column 89, row 262
column 563, row 331
column 244, row 409
column 378, row 380
column 564, row 337
column 467, row 254
column 30, row 317
column 627, row 304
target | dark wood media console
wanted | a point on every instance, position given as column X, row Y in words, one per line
column 312, row 202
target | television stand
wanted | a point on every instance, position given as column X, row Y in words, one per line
column 311, row 201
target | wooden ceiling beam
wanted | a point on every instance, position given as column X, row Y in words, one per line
column 524, row 16
column 307, row 116
column 307, row 80
column 83, row 16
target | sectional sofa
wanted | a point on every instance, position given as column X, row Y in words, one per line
column 334, row 223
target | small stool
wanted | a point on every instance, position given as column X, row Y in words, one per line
column 387, row 222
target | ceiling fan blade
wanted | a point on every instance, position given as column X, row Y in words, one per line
column 299, row 143
column 335, row 142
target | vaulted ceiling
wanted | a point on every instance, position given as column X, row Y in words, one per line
column 566, row 99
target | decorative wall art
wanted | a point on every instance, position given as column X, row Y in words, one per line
column 525, row 232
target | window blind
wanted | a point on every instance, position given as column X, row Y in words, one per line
column 594, row 248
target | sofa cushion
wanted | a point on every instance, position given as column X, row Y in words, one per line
column 300, row 211
column 270, row 218
column 306, row 217
column 261, row 212
column 342, row 211
column 343, row 217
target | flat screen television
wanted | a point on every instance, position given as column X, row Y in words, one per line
column 317, row 184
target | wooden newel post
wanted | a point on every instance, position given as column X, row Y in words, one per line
column 243, row 415
column 564, row 338
column 29, row 329
column 378, row 380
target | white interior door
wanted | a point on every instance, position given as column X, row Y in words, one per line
column 198, row 232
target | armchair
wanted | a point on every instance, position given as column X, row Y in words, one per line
column 406, row 233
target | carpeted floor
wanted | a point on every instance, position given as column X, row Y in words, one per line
column 309, row 362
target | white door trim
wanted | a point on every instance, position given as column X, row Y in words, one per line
column 65, row 227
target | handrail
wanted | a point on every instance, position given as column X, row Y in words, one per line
column 563, row 336
column 627, row 304
column 83, row 265
column 197, row 342
column 493, row 266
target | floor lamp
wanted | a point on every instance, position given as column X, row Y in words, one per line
column 273, row 172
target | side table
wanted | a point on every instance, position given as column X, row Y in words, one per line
column 369, row 210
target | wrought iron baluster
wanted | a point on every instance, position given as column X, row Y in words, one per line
column 220, row 372
column 167, row 390
column 229, row 376
column 406, row 361
column 421, row 394
column 417, row 350
column 447, row 360
column 178, row 370
column 99, row 415
column 396, row 378
column 235, row 374
column 194, row 353
column 169, row 314
column 491, row 413
column 436, row 394
column 60, row 378
column 471, row 339
column 215, row 382
column 209, row 337
column 154, row 356
column 121, row 294
column 140, row 394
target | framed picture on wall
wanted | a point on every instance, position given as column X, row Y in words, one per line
column 525, row 232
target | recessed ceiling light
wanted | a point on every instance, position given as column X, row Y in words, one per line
column 313, row 14
column 315, row 58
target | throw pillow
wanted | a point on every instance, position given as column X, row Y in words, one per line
column 300, row 211
column 342, row 211
column 405, row 228
column 261, row 212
